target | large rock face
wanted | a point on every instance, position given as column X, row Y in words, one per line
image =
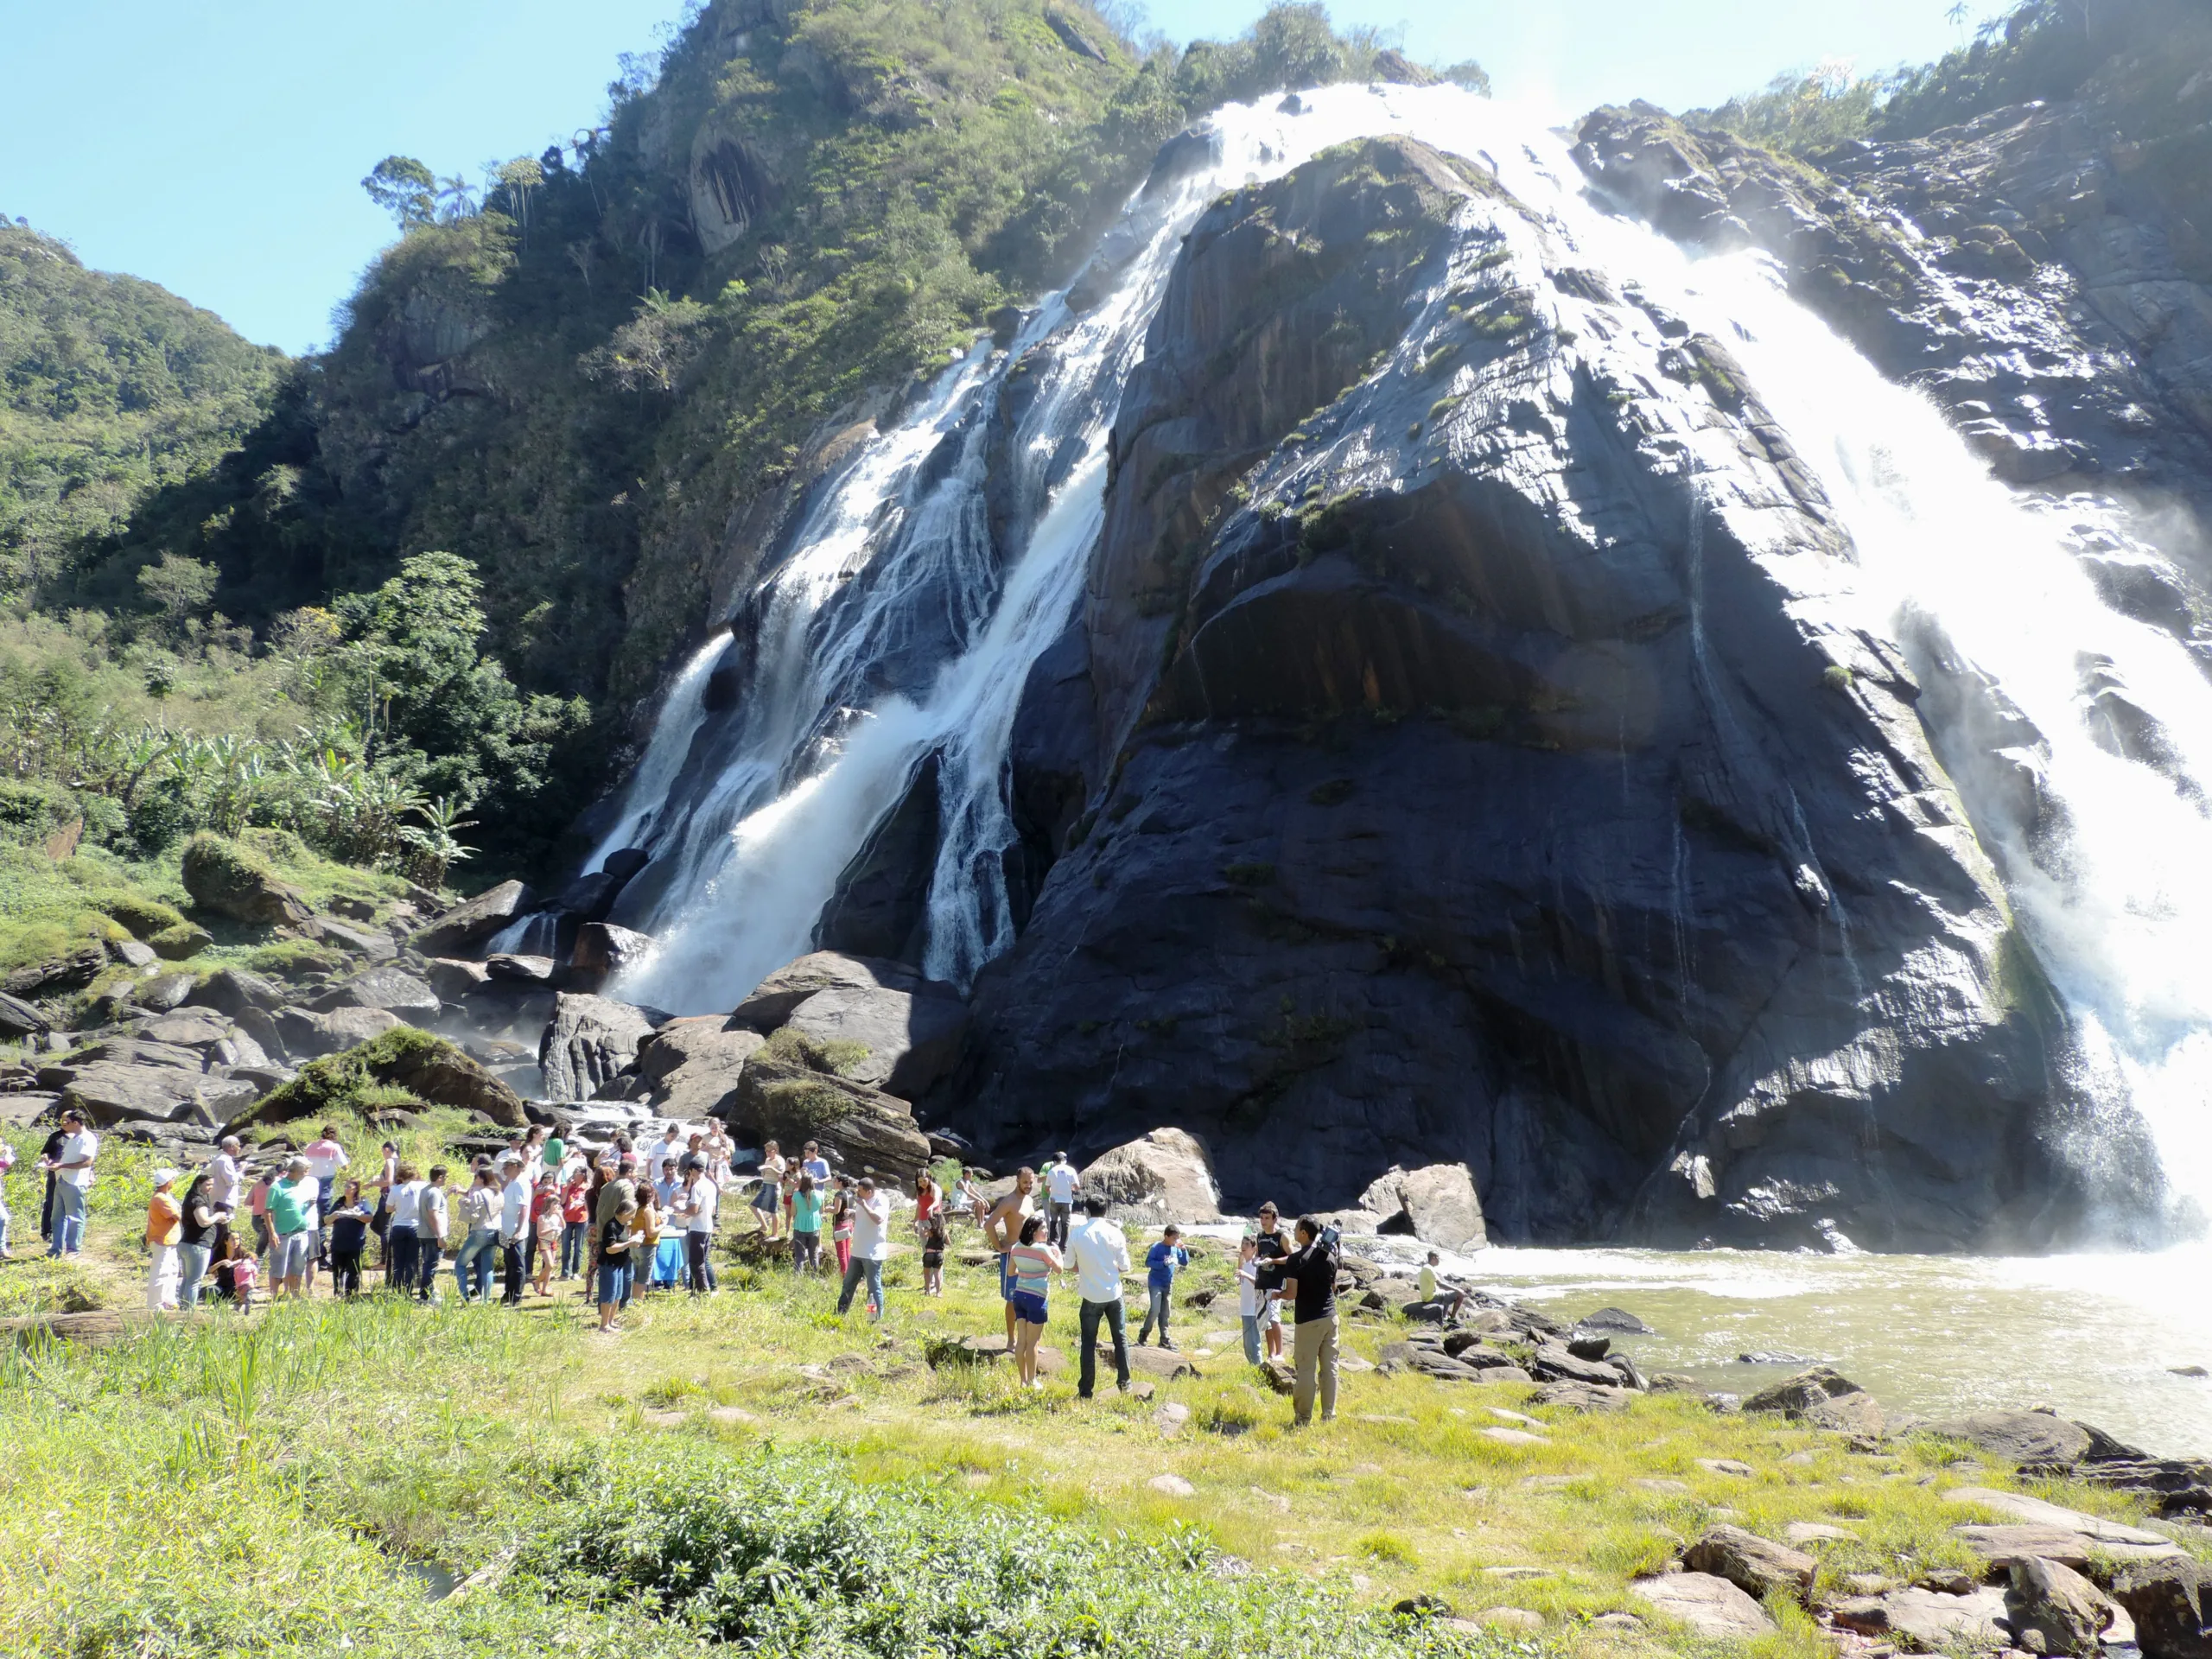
column 1465, row 784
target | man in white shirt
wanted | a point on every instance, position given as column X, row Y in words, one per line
column 1100, row 1254
column 871, row 1243
column 1061, row 1184
column 701, row 1197
column 514, row 1228
column 325, row 1159
column 71, row 1167
column 224, row 1174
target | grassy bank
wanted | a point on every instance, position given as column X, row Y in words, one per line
column 752, row 1469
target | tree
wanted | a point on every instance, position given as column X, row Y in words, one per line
column 401, row 186
column 517, row 179
column 177, row 586
column 1470, row 75
column 1293, row 46
column 456, row 198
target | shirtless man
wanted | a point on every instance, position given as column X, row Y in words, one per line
column 1002, row 1230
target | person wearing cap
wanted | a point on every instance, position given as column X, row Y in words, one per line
column 296, row 1217
column 700, row 1199
column 514, row 1227
column 71, row 1166
column 871, row 1243
column 1061, row 1184
column 164, row 1227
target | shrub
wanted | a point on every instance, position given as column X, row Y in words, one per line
column 143, row 915
column 836, row 1056
column 356, row 1080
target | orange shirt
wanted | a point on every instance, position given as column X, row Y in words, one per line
column 164, row 1219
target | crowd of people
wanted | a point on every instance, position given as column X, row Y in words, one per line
column 627, row 1218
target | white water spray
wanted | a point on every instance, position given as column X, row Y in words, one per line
column 822, row 756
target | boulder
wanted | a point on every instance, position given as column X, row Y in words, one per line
column 306, row 1034
column 391, row 989
column 527, row 970
column 2020, row 1508
column 1437, row 1204
column 131, row 954
column 1710, row 1605
column 774, row 997
column 625, row 862
column 71, row 970
column 692, row 1067
column 19, row 1019
column 371, row 942
column 1929, row 1619
column 2004, row 1545
column 602, row 950
column 912, row 1039
column 1794, row 1397
column 232, row 881
column 2171, row 1602
column 1755, row 1565
column 181, row 942
column 109, row 1094
column 2069, row 1612
column 454, row 978
column 468, row 925
column 123, row 1050
column 1574, row 1396
column 862, row 1128
column 589, row 1041
column 1165, row 1173
column 430, row 1068
column 233, row 990
column 163, row 992
column 1552, row 1362
column 186, row 1028
column 2019, row 1437
column 1615, row 1320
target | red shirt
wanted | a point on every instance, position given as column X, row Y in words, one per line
column 575, row 1201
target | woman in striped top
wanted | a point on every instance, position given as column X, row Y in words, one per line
column 1032, row 1262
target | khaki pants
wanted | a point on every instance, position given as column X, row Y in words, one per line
column 1314, row 1347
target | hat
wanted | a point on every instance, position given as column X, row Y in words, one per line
column 163, row 1177
column 511, row 1158
column 295, row 1162
column 693, row 1162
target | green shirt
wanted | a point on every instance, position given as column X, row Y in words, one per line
column 556, row 1150
column 291, row 1203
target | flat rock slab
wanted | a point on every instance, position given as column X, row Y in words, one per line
column 1709, row 1606
column 2019, row 1436
column 2005, row 1545
column 2036, row 1512
column 1172, row 1486
column 1163, row 1362
column 1575, row 1397
column 1728, row 1466
column 1929, row 1619
column 1512, row 1436
column 1817, row 1532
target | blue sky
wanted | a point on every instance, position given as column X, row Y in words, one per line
column 215, row 146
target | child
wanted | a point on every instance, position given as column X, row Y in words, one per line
column 806, row 1226
column 935, row 1241
column 164, row 1227
column 256, row 1204
column 1250, row 1306
column 841, row 1223
column 575, row 1219
column 768, row 1196
column 235, row 1277
column 645, row 1262
column 349, row 1241
column 617, row 1244
column 1161, row 1262
column 545, row 1209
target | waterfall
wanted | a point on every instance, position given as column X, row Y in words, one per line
column 895, row 629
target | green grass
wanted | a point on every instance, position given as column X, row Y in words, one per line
column 234, row 1485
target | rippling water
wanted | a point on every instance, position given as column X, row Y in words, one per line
column 2093, row 1336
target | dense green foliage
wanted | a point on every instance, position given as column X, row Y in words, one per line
column 109, row 387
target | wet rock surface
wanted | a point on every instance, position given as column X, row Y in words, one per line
column 1462, row 785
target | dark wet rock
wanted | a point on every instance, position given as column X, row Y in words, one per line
column 1576, row 1395
column 468, row 925
column 2069, row 1612
column 391, row 989
column 861, row 1128
column 591, row 1040
column 1352, row 722
column 1618, row 1320
column 455, row 978
column 232, row 990
column 601, row 951
column 912, row 1036
column 70, row 970
column 880, row 905
column 522, row 969
column 2171, row 1603
column 1553, row 1363
column 1755, row 1565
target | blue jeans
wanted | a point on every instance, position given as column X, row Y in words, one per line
column 573, row 1235
column 399, row 1258
column 472, row 1264
column 1251, row 1339
column 191, row 1268
column 861, row 1267
column 1156, row 1312
column 68, row 1219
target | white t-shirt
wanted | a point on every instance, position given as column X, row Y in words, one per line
column 1059, row 1181
column 1100, row 1251
column 870, row 1220
column 514, row 1208
column 1247, row 1290
column 85, row 1145
column 407, row 1203
column 702, row 1195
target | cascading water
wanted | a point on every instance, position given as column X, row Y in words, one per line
column 894, row 630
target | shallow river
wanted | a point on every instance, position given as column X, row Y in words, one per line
column 2094, row 1336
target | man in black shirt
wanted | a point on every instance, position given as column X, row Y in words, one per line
column 1310, row 1274
column 1270, row 1244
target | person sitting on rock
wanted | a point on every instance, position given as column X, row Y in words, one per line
column 1448, row 1301
column 1002, row 1230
